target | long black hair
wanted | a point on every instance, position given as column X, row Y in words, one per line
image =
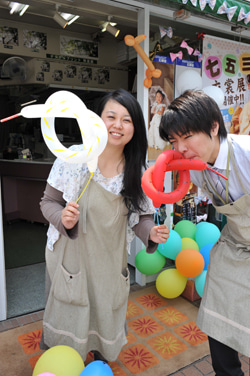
column 135, row 150
column 193, row 111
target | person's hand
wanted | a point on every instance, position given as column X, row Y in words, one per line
column 159, row 234
column 70, row 215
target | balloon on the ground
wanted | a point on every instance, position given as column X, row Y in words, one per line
column 189, row 262
column 170, row 283
column 172, row 246
column 199, row 282
column 189, row 243
column 97, row 368
column 206, row 234
column 205, row 252
column 186, row 229
column 188, row 80
column 59, row 360
column 149, row 263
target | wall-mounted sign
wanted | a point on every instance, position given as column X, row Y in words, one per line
column 70, row 58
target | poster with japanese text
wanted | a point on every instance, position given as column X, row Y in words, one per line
column 226, row 64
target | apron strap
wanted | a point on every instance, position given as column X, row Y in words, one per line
column 234, row 164
column 230, row 157
column 207, row 177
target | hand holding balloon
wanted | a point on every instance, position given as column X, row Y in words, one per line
column 70, row 215
column 159, row 234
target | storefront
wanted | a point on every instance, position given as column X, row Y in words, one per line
column 190, row 22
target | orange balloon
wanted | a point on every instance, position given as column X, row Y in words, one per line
column 147, row 83
column 189, row 262
column 149, row 73
column 156, row 73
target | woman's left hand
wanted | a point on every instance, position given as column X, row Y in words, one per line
column 159, row 234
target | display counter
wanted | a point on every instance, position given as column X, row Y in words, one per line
column 23, row 183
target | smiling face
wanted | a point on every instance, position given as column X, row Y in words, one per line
column 198, row 145
column 158, row 97
column 118, row 122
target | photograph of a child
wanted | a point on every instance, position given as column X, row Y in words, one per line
column 159, row 103
column 161, row 94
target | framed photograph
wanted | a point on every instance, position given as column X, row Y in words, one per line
column 78, row 48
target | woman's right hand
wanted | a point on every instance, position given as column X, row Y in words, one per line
column 70, row 215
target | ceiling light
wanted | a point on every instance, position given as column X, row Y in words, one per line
column 14, row 7
column 73, row 19
column 69, row 17
column 18, row 8
column 23, row 10
column 112, row 30
column 60, row 20
column 109, row 26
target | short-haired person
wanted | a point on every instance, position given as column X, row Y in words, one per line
column 193, row 124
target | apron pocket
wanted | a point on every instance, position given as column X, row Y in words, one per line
column 70, row 288
column 122, row 290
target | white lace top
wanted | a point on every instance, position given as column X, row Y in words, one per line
column 69, row 178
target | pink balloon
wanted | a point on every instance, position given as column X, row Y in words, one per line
column 46, row 374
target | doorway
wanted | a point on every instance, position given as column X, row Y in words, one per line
column 24, row 245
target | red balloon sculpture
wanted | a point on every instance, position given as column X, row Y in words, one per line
column 170, row 160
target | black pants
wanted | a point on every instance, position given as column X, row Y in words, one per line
column 225, row 360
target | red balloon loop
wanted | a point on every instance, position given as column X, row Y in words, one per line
column 153, row 178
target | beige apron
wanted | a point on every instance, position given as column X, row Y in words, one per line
column 87, row 304
column 224, row 313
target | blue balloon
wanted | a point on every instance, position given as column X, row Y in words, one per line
column 207, row 233
column 97, row 368
column 199, row 282
column 205, row 251
column 172, row 247
column 200, row 224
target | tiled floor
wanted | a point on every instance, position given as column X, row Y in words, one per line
column 202, row 367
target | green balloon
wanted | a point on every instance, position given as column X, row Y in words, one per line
column 186, row 229
column 149, row 263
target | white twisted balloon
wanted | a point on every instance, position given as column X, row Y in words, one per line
column 68, row 105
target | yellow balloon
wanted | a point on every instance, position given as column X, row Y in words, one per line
column 170, row 283
column 189, row 243
column 61, row 361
